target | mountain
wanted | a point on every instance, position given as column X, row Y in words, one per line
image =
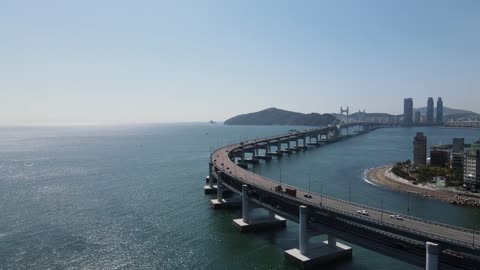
column 274, row 116
column 446, row 111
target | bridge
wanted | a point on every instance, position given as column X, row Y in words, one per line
column 413, row 240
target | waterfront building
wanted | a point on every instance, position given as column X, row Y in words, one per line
column 471, row 170
column 458, row 148
column 464, row 123
column 439, row 111
column 458, row 145
column 420, row 149
column 430, row 111
column 457, row 161
column 418, row 118
column 408, row 111
column 439, row 158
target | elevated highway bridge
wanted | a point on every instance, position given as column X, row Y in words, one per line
column 405, row 238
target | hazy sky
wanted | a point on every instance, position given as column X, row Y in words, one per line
column 99, row 62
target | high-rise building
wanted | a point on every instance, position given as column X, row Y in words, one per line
column 420, row 149
column 471, row 170
column 408, row 111
column 457, row 161
column 430, row 111
column 458, row 145
column 439, row 158
column 418, row 118
column 439, row 111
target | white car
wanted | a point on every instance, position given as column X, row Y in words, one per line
column 396, row 217
column 362, row 212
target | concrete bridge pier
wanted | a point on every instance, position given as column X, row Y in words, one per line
column 266, row 152
column 432, row 251
column 304, row 143
column 245, row 203
column 248, row 224
column 220, row 191
column 310, row 258
column 222, row 203
column 302, row 231
column 210, row 188
column 290, row 141
column 324, row 138
column 313, row 137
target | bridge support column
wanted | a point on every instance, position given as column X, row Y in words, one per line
column 219, row 190
column 245, row 203
column 432, row 251
column 210, row 180
column 312, row 258
column 220, row 202
column 210, row 188
column 332, row 241
column 247, row 224
column 302, row 234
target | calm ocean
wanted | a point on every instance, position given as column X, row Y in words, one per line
column 131, row 197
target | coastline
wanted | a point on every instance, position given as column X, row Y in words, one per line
column 384, row 177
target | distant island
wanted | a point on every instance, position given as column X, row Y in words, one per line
column 274, row 116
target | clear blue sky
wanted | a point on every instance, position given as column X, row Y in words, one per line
column 102, row 62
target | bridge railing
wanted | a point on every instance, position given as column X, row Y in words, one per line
column 369, row 208
column 468, row 244
column 373, row 220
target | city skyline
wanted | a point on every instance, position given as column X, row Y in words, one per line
column 115, row 63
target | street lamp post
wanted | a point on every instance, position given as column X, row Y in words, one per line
column 408, row 205
column 350, row 191
column 309, row 183
column 280, row 173
column 321, row 194
column 381, row 213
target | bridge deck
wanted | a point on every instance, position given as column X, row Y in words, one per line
column 432, row 230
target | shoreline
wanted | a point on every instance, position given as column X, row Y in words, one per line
column 383, row 177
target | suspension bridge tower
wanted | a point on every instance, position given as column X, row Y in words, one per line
column 344, row 115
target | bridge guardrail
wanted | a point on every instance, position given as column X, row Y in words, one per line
column 373, row 220
column 369, row 207
column 428, row 235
